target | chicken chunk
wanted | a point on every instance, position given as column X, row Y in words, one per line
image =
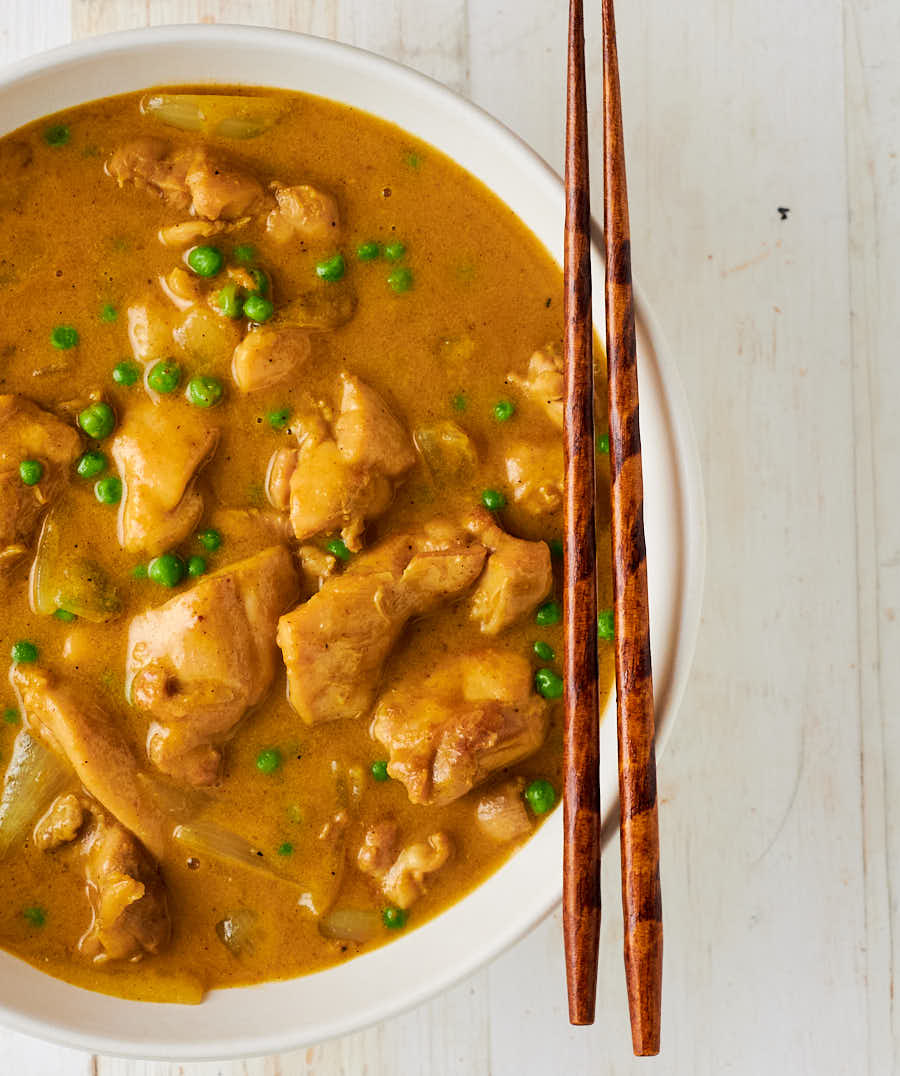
column 517, row 577
column 28, row 433
column 269, row 356
column 187, row 179
column 340, row 477
column 447, row 733
column 199, row 662
column 303, row 213
column 501, row 814
column 77, row 728
column 404, row 883
column 61, row 824
column 401, row 875
column 159, row 451
column 545, row 383
column 335, row 644
column 127, row 895
column 535, row 474
column 192, row 231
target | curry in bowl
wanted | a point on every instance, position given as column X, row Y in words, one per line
column 280, row 520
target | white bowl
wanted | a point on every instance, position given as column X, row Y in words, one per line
column 280, row 1016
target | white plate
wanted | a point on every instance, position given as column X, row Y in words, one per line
column 280, row 1016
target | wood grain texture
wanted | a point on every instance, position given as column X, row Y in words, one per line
column 780, row 787
column 638, row 811
column 581, row 791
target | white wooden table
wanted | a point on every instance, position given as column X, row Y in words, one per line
column 779, row 790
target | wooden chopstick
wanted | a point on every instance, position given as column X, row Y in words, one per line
column 581, row 790
column 641, row 895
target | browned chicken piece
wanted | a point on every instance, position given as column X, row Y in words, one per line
column 187, row 179
column 76, row 727
column 544, row 383
column 535, row 474
column 404, row 882
column 342, row 476
column 447, row 733
column 401, row 875
column 302, row 213
column 379, row 848
column 158, row 451
column 28, row 433
column 61, row 824
column 501, row 814
column 335, row 644
column 517, row 577
column 269, row 356
column 199, row 662
column 127, row 895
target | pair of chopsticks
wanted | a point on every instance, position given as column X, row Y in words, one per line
column 641, row 899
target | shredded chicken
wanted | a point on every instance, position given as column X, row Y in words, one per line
column 401, row 875
column 517, row 577
column 199, row 662
column 335, row 644
column 473, row 715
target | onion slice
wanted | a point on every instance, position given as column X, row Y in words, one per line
column 34, row 778
column 351, row 924
column 215, row 114
column 208, row 838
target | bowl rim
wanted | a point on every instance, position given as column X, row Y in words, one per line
column 685, row 460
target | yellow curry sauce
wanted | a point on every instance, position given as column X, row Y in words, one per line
column 438, row 343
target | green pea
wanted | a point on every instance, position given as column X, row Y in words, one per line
column 98, row 420
column 286, row 849
column 556, row 547
column 548, row 683
column 57, row 135
column 413, row 160
column 229, row 300
column 35, row 915
column 379, row 769
column 606, row 624
column 210, row 540
column 126, row 373
column 64, row 615
column 504, row 410
column 31, row 472
column 108, row 490
column 544, row 651
column 269, row 760
column 90, row 464
column 244, row 253
column 258, row 309
column 167, row 569
column 331, row 268
column 541, row 796
column 401, row 280
column 11, row 716
column 204, row 391
column 262, row 281
column 459, row 402
column 279, row 419
column 64, row 337
column 394, row 918
column 394, row 251
column 337, row 548
column 603, row 443
column 108, row 312
column 369, row 251
column 164, row 376
column 547, row 614
column 196, row 566
column 493, row 499
column 205, row 261
column 24, row 652
column 139, row 571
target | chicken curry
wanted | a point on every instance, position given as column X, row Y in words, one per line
column 280, row 520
